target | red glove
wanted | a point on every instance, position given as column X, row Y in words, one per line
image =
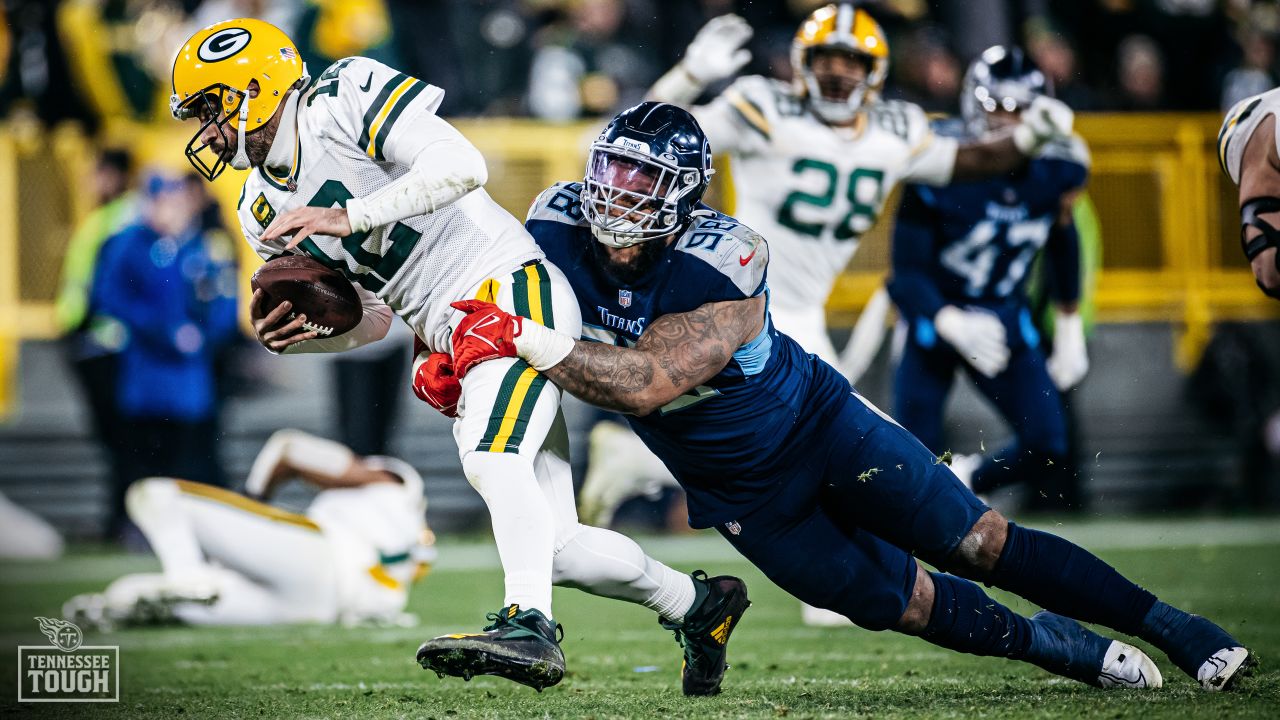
column 487, row 333
column 434, row 381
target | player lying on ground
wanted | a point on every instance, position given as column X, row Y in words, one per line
column 829, row 497
column 356, row 171
column 231, row 559
column 1248, row 153
column 960, row 260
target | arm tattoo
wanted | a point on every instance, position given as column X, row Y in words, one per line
column 675, row 354
column 603, row 375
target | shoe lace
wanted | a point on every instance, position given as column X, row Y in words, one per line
column 496, row 621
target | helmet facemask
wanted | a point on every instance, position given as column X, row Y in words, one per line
column 840, row 111
column 631, row 197
column 215, row 106
column 1001, row 80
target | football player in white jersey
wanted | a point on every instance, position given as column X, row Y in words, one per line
column 1247, row 152
column 356, row 171
column 229, row 559
column 813, row 163
column 815, row 160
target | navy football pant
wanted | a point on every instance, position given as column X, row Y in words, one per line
column 1023, row 394
column 877, row 496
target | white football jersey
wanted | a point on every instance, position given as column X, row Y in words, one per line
column 1237, row 127
column 810, row 189
column 376, row 533
column 359, row 127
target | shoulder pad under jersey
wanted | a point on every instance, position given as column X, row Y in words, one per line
column 735, row 250
column 560, row 203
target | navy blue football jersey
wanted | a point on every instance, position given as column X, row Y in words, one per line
column 972, row 243
column 730, row 440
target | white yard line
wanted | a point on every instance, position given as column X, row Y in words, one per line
column 1100, row 535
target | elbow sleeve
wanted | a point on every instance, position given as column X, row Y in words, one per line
column 440, row 175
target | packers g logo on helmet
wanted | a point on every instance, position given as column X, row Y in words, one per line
column 212, row 74
column 846, row 28
column 223, row 44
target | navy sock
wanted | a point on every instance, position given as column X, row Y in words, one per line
column 1187, row 639
column 1067, row 579
column 967, row 620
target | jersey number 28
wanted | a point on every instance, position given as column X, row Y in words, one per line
column 862, row 213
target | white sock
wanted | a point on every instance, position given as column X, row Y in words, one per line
column 609, row 564
column 522, row 525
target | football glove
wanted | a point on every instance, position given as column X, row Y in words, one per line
column 1046, row 119
column 434, row 381
column 1069, row 362
column 717, row 51
column 977, row 336
column 488, row 332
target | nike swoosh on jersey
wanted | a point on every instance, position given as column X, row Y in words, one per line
column 744, row 260
column 367, row 84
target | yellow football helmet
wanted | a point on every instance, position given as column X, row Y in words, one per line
column 211, row 77
column 845, row 27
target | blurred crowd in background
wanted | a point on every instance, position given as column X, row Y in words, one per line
column 147, row 300
column 559, row 60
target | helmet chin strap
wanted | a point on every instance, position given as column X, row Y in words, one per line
column 280, row 158
column 241, row 160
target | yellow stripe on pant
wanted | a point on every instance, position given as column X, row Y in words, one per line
column 521, row 386
column 240, row 502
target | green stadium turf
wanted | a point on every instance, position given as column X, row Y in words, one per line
column 622, row 665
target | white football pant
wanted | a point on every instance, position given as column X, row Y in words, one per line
column 514, row 449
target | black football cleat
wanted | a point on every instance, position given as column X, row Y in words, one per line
column 704, row 635
column 520, row 646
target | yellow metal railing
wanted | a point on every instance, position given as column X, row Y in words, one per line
column 1168, row 217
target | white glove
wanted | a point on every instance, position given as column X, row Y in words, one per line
column 977, row 336
column 1069, row 362
column 717, row 52
column 1047, row 119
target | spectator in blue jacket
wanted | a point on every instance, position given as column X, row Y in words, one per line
column 173, row 287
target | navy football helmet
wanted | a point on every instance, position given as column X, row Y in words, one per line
column 1002, row 78
column 646, row 174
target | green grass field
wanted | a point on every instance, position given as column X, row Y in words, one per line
column 622, row 665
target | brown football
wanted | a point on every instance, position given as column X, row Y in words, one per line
column 324, row 295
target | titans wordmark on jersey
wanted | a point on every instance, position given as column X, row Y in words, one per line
column 813, row 189
column 359, row 127
column 727, row 441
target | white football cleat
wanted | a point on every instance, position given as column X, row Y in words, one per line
column 964, row 466
column 619, row 467
column 1125, row 666
column 1224, row 667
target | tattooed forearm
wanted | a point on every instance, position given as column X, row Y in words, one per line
column 603, row 375
column 675, row 354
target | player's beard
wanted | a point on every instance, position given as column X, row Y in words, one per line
column 629, row 268
column 258, row 143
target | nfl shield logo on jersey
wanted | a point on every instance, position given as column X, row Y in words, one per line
column 624, row 298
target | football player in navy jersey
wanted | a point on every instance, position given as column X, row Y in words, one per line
column 828, row 496
column 960, row 260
